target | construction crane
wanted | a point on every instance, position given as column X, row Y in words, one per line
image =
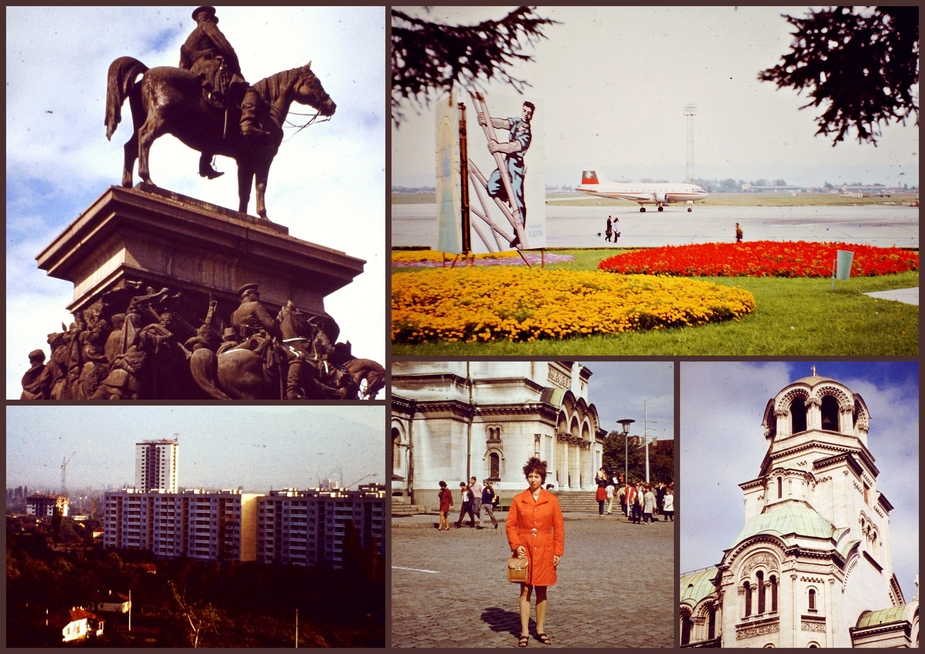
column 64, row 463
column 359, row 480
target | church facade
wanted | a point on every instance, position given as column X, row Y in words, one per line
column 812, row 565
column 452, row 420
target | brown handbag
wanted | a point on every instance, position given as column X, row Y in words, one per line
column 517, row 570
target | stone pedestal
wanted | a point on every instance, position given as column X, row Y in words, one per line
column 160, row 239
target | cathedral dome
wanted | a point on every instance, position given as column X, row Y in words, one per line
column 787, row 520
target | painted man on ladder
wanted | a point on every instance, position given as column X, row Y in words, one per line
column 514, row 150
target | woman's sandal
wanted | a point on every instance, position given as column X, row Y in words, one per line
column 543, row 638
column 524, row 641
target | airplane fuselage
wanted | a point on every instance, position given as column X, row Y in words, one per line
column 657, row 193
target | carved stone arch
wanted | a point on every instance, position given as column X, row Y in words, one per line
column 845, row 401
column 784, row 401
column 796, row 401
column 764, row 542
column 769, row 421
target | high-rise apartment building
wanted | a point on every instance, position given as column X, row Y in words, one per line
column 313, row 527
column 210, row 526
column 156, row 465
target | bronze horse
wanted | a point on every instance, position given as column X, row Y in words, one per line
column 238, row 374
column 171, row 101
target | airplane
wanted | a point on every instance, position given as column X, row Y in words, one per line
column 659, row 194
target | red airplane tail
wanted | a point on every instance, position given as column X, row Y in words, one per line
column 589, row 177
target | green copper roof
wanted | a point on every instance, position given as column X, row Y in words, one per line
column 553, row 396
column 883, row 616
column 697, row 585
column 787, row 519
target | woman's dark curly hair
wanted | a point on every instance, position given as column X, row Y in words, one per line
column 534, row 464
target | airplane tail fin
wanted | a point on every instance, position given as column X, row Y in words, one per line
column 589, row 177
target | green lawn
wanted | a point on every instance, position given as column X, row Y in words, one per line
column 793, row 317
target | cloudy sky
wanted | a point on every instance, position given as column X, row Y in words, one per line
column 257, row 447
column 722, row 445
column 326, row 185
column 634, row 390
column 615, row 80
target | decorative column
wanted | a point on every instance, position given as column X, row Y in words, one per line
column 813, row 413
column 784, row 425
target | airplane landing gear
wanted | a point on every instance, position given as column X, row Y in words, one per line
column 689, row 210
column 642, row 209
column 661, row 208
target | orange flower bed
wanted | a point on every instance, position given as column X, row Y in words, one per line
column 760, row 259
column 517, row 304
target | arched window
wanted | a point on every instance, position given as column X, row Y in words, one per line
column 711, row 623
column 396, row 449
column 780, row 487
column 812, row 599
column 830, row 413
column 686, row 626
column 798, row 416
column 760, row 588
column 494, row 466
column 748, row 599
column 773, row 581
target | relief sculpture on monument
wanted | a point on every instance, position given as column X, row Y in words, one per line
column 176, row 295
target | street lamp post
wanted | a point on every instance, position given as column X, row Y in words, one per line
column 626, row 422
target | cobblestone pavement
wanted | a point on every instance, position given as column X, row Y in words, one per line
column 615, row 587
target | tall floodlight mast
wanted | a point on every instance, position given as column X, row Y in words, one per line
column 690, row 110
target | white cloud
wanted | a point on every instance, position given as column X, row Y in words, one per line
column 326, row 184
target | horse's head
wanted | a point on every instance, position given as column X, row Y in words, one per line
column 308, row 90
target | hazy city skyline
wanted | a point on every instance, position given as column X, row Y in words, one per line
column 256, row 447
column 326, row 184
column 722, row 445
column 614, row 82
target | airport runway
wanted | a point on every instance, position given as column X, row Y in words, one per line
column 578, row 227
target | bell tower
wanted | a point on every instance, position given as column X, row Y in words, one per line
column 814, row 553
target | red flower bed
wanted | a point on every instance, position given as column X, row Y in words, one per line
column 760, row 259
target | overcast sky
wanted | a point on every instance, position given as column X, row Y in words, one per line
column 326, row 184
column 257, row 447
column 634, row 389
column 615, row 80
column 722, row 445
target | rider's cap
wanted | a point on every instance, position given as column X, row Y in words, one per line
column 210, row 10
column 247, row 287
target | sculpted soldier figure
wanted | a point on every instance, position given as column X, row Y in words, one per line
column 208, row 53
column 250, row 318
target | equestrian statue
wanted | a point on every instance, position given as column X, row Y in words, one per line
column 207, row 104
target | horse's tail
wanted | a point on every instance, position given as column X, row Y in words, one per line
column 204, row 366
column 120, row 82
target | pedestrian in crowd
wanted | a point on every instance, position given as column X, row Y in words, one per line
column 668, row 505
column 465, row 498
column 536, row 531
column 659, row 496
column 446, row 503
column 488, row 501
column 621, row 495
column 601, row 497
column 630, row 502
column 610, row 498
column 738, row 233
column 616, row 229
column 648, row 505
column 609, row 231
column 476, row 489
column 601, row 477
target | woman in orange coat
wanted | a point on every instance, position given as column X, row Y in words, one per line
column 536, row 531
